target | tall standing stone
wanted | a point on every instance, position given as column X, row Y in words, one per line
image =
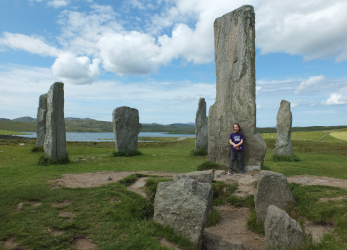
column 55, row 138
column 126, row 128
column 41, row 120
column 235, row 99
column 284, row 129
column 201, row 138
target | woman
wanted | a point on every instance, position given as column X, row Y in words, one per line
column 236, row 142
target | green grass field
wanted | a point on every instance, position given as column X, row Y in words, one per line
column 126, row 223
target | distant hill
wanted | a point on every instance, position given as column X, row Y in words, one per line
column 28, row 124
column 25, row 119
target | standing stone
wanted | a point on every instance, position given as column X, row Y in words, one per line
column 272, row 189
column 201, row 138
column 183, row 205
column 41, row 120
column 235, row 98
column 126, row 128
column 284, row 127
column 55, row 138
column 281, row 231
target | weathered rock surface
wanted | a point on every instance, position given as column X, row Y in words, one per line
column 281, row 231
column 284, row 129
column 55, row 137
column 126, row 128
column 272, row 189
column 201, row 176
column 212, row 242
column 41, row 120
column 201, row 138
column 184, row 206
column 235, row 98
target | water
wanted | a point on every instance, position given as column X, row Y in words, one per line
column 92, row 137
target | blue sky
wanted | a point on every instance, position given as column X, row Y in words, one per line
column 158, row 56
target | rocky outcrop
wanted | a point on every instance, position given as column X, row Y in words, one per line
column 235, row 98
column 126, row 128
column 55, row 137
column 212, row 242
column 41, row 120
column 284, row 129
column 183, row 205
column 201, row 176
column 272, row 189
column 201, row 138
column 281, row 231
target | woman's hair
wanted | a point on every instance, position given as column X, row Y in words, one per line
column 238, row 126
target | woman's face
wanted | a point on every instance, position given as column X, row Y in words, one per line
column 236, row 128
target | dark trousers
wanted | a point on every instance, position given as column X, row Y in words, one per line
column 238, row 155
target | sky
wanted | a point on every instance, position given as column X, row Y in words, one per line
column 158, row 56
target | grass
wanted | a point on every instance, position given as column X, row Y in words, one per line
column 9, row 132
column 115, row 218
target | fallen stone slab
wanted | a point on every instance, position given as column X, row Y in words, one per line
column 201, row 176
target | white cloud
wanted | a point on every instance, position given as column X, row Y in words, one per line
column 133, row 53
column 294, row 105
column 31, row 44
column 58, row 3
column 308, row 28
column 76, row 70
column 310, row 82
column 335, row 99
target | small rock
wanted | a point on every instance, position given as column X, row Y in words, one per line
column 22, row 144
column 20, row 206
column 77, row 160
column 109, row 178
column 218, row 173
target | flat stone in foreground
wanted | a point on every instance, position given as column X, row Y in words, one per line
column 281, row 231
column 184, row 206
column 272, row 189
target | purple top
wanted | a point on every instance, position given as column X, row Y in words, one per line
column 236, row 138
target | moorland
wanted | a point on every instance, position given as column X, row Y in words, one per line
column 112, row 217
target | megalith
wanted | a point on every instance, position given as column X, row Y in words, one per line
column 126, row 128
column 284, row 120
column 234, row 35
column 281, row 231
column 41, row 121
column 272, row 189
column 184, row 206
column 201, row 139
column 55, row 137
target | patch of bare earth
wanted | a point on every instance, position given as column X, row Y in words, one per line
column 318, row 180
column 62, row 204
column 55, row 232
column 317, row 231
column 138, row 186
column 95, row 179
column 168, row 244
column 81, row 243
column 66, row 214
column 11, row 244
column 233, row 226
